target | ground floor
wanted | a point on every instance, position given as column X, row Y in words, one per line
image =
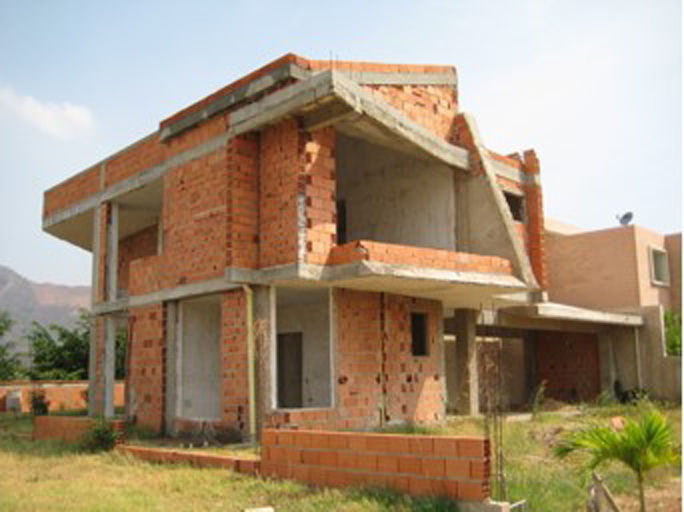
column 254, row 357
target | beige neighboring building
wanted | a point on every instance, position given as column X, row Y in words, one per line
column 626, row 268
column 622, row 267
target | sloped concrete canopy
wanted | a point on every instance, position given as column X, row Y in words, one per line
column 555, row 311
column 454, row 289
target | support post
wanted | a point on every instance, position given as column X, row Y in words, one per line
column 637, row 356
column 94, row 285
column 109, row 363
column 172, row 376
column 113, row 252
column 468, row 385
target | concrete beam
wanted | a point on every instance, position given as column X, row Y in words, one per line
column 232, row 98
column 399, row 78
column 554, row 311
column 179, row 292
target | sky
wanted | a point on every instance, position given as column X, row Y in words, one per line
column 593, row 86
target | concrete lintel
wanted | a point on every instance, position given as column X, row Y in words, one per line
column 399, row 78
column 231, row 98
column 281, row 103
column 512, row 173
column 179, row 292
column 398, row 123
column 556, row 311
column 139, row 180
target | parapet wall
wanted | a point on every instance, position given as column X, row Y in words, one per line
column 60, row 395
column 456, row 467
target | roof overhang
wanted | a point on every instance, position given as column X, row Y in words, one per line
column 331, row 98
column 454, row 289
column 555, row 311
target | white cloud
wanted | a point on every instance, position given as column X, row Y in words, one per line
column 62, row 120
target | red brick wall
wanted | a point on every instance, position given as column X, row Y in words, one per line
column 71, row 191
column 66, row 428
column 140, row 244
column 60, row 395
column 280, row 166
column 195, row 220
column 456, row 467
column 243, row 202
column 146, row 365
column 535, row 220
column 431, row 106
column 569, row 363
column 413, row 385
column 146, row 275
column 319, row 190
column 234, row 370
column 135, row 159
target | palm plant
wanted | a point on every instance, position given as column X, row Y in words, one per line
column 641, row 445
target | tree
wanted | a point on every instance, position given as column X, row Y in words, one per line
column 641, row 446
column 10, row 364
column 59, row 353
column 673, row 333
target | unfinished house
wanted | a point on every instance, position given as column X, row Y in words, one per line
column 320, row 244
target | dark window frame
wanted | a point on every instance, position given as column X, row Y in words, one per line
column 420, row 346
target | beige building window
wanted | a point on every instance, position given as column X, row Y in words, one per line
column 660, row 271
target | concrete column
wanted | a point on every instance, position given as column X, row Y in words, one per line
column 113, row 252
column 109, row 363
column 172, row 377
column 94, row 284
column 264, row 337
column 468, row 385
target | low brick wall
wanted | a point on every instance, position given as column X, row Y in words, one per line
column 202, row 460
column 455, row 467
column 61, row 395
column 66, row 428
column 359, row 250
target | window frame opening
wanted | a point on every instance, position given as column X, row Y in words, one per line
column 659, row 266
column 420, row 346
column 297, row 312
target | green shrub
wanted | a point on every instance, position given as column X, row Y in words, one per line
column 101, row 437
column 39, row 405
column 673, row 333
column 538, row 399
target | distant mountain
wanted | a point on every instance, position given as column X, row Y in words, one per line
column 46, row 303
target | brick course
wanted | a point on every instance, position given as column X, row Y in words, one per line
column 146, row 375
column 341, row 459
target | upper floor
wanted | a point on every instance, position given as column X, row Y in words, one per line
column 357, row 174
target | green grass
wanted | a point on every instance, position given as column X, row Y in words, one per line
column 55, row 476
